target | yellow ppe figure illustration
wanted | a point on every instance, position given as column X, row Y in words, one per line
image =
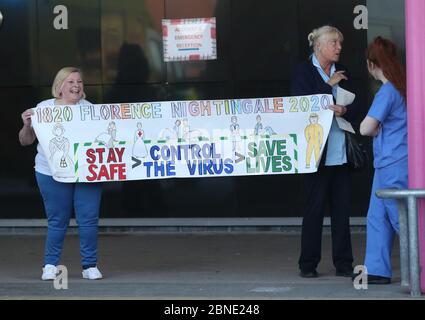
column 314, row 136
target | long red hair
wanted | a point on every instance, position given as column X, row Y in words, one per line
column 384, row 54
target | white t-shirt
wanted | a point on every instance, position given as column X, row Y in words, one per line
column 41, row 164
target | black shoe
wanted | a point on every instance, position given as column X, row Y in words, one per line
column 344, row 272
column 308, row 273
column 371, row 279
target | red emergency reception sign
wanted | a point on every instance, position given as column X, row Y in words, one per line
column 189, row 39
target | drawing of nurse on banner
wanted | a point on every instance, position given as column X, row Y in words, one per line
column 235, row 133
column 108, row 138
column 187, row 133
column 59, row 149
column 259, row 130
column 174, row 133
column 139, row 147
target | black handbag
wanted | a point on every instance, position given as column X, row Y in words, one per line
column 357, row 156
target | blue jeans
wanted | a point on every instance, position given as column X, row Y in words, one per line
column 382, row 219
column 60, row 200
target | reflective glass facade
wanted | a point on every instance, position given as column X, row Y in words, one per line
column 118, row 44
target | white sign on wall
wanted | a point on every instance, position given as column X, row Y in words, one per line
column 189, row 39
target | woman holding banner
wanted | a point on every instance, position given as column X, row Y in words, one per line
column 61, row 199
column 386, row 121
column 322, row 74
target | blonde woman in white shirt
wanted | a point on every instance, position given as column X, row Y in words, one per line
column 61, row 199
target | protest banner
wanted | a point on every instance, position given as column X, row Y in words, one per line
column 178, row 139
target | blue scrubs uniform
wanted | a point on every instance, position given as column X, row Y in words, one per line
column 390, row 162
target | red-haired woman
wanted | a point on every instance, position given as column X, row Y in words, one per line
column 386, row 121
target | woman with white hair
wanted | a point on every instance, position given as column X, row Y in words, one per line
column 61, row 199
column 322, row 74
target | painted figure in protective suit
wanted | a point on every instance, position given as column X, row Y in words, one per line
column 314, row 136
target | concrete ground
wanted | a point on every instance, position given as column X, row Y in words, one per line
column 200, row 265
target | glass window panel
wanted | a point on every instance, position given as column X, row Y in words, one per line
column 18, row 43
column 264, row 39
column 132, row 41
column 79, row 45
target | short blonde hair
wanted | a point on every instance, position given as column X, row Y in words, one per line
column 317, row 34
column 60, row 79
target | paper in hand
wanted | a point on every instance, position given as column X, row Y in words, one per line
column 344, row 97
column 344, row 125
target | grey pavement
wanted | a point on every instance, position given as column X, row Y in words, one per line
column 187, row 265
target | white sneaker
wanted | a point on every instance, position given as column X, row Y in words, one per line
column 49, row 272
column 92, row 274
